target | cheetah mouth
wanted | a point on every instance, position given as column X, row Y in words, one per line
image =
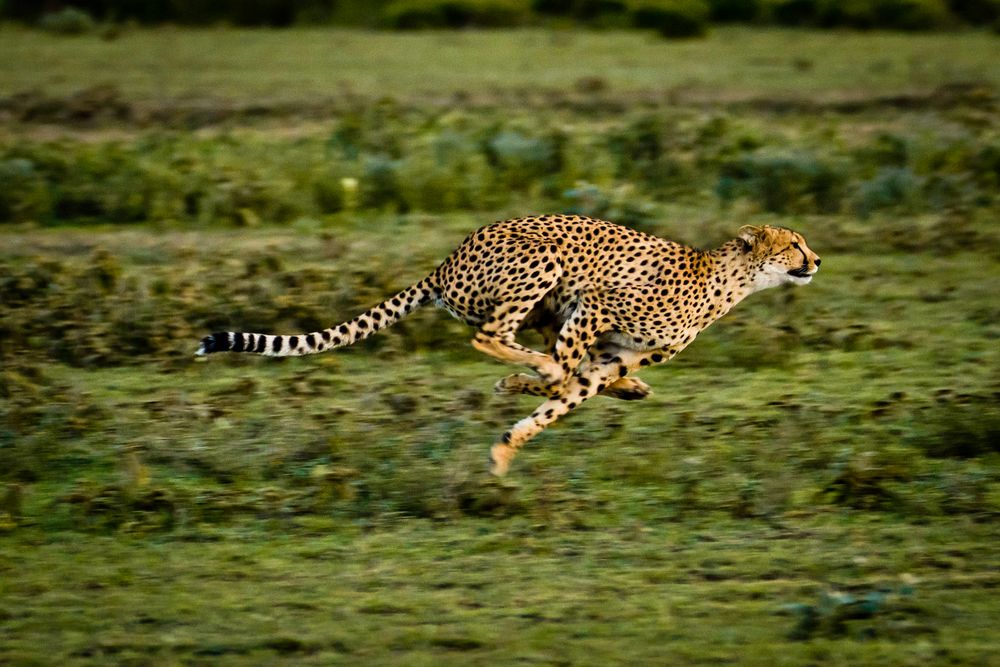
column 801, row 272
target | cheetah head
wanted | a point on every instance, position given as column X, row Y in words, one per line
column 778, row 256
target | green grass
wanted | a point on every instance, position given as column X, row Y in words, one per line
column 335, row 509
column 302, row 64
column 814, row 481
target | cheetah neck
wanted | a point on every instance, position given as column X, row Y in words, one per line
column 730, row 274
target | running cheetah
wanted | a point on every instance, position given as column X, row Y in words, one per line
column 608, row 300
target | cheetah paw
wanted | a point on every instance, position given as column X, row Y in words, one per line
column 518, row 383
column 500, row 458
column 628, row 389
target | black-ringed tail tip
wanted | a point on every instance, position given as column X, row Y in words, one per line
column 608, row 301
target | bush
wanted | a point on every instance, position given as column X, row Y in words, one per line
column 957, row 426
column 794, row 12
column 602, row 13
column 977, row 12
column 23, row 192
column 890, row 188
column 240, row 12
column 783, row 182
column 734, row 11
column 912, row 14
column 522, row 159
column 885, row 14
column 69, row 21
column 419, row 14
column 672, row 18
column 858, row 14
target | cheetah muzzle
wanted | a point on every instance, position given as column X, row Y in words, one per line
column 607, row 300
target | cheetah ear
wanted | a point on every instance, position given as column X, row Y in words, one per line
column 750, row 235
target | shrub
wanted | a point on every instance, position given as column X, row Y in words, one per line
column 849, row 13
column 912, row 14
column 957, row 426
column 734, row 11
column 554, row 7
column 672, row 18
column 23, row 192
column 380, row 182
column 890, row 188
column 68, row 21
column 793, row 12
column 783, row 182
column 418, row 14
column 977, row 12
column 522, row 159
column 241, row 12
column 601, row 11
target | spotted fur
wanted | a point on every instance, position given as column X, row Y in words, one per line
column 607, row 299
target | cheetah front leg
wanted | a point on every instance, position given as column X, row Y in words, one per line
column 612, row 365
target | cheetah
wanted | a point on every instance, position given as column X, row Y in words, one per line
column 608, row 300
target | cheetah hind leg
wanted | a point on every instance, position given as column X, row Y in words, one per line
column 625, row 389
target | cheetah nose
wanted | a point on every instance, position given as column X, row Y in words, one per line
column 818, row 261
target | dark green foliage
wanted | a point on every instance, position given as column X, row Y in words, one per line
column 794, row 12
column 890, row 188
column 875, row 614
column 672, row 18
column 591, row 12
column 912, row 14
column 784, row 182
column 387, row 158
column 24, row 194
column 859, row 14
column 238, row 12
column 734, row 11
column 976, row 12
column 416, row 14
column 68, row 21
column 863, row 14
column 957, row 426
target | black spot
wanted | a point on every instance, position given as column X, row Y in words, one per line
column 362, row 324
column 506, row 437
column 584, row 382
column 310, row 341
column 657, row 358
column 237, row 342
column 326, row 335
column 293, row 342
column 276, row 344
column 344, row 329
column 261, row 344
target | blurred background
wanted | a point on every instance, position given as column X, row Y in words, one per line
column 814, row 480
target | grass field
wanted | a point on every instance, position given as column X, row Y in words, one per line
column 276, row 65
column 814, row 481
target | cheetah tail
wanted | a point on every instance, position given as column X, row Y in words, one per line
column 374, row 319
